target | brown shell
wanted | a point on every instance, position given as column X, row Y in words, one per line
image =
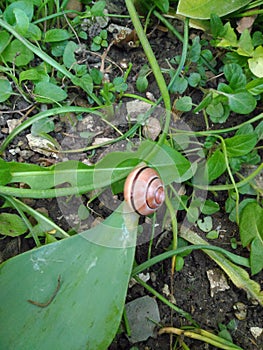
column 144, row 190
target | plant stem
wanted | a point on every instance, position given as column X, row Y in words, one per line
column 202, row 335
column 154, row 65
column 249, row 178
column 200, row 245
column 230, row 176
column 172, row 213
column 168, row 25
column 219, row 131
column 184, row 53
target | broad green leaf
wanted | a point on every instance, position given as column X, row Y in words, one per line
column 42, row 126
column 69, row 54
column 184, row 104
column 206, row 224
column 171, row 164
column 22, row 21
column 141, row 83
column 257, row 38
column 36, row 74
column 12, row 225
column 119, row 84
column 234, row 74
column 240, row 145
column 216, row 112
column 245, row 44
column 104, row 34
column 203, row 9
column 58, row 48
column 5, row 89
column 229, row 38
column 256, row 62
column 242, row 102
column 216, row 26
column 245, row 130
column 94, row 270
column 212, row 234
column 180, row 85
column 259, row 130
column 5, row 176
column 194, row 79
column 26, row 6
column 179, row 263
column 216, row 165
column 98, row 8
column 53, row 35
column 46, row 92
column 95, row 47
column 163, row 5
column 255, row 86
column 192, row 214
column 33, row 32
column 210, row 207
column 18, row 53
column 241, row 206
column 96, row 75
column 86, row 83
column 83, row 212
column 251, row 232
column 4, row 40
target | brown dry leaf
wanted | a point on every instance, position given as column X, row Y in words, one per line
column 245, row 23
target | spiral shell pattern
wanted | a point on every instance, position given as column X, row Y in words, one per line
column 144, row 190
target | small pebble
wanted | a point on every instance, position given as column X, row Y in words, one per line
column 256, row 331
column 240, row 310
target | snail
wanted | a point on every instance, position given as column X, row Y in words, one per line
column 144, row 190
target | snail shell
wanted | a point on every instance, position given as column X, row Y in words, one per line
column 144, row 190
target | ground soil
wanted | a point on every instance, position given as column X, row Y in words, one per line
column 191, row 286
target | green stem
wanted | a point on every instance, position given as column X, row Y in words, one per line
column 184, row 53
column 200, row 334
column 187, row 250
column 219, row 131
column 172, row 213
column 249, row 13
column 230, row 176
column 249, row 178
column 154, row 65
column 168, row 25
